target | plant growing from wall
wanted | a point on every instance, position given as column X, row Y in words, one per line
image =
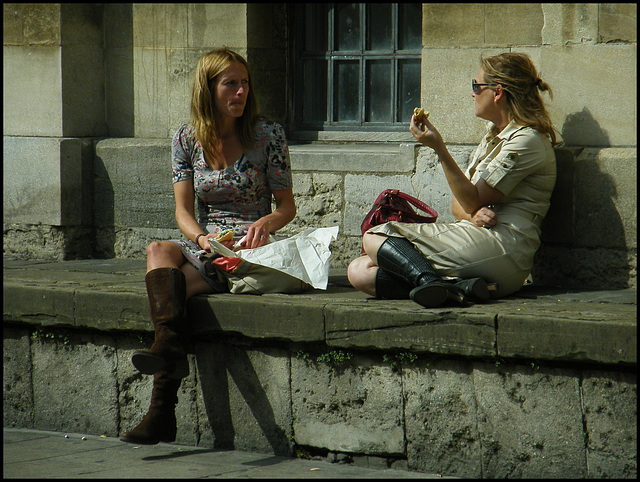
column 399, row 360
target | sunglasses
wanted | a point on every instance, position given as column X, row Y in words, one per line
column 475, row 86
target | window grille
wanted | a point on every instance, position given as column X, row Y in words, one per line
column 357, row 66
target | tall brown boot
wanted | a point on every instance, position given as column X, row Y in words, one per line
column 159, row 424
column 167, row 291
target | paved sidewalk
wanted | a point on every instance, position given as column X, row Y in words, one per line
column 43, row 455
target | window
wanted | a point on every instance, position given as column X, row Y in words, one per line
column 356, row 65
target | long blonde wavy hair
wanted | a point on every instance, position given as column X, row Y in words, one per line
column 203, row 110
column 518, row 76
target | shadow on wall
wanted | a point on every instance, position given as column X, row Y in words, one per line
column 213, row 367
column 103, row 211
column 581, row 129
column 119, row 83
column 583, row 238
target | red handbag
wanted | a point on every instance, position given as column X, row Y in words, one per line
column 393, row 205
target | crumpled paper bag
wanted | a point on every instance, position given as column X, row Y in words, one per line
column 304, row 256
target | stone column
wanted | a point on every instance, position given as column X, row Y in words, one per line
column 53, row 94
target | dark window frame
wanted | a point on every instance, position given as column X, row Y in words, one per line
column 324, row 78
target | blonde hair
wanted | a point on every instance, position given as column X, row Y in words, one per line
column 203, row 109
column 517, row 75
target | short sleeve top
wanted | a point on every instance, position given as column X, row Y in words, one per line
column 240, row 194
column 520, row 163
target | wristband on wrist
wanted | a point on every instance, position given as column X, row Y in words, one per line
column 198, row 238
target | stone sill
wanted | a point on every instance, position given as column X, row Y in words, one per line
column 109, row 295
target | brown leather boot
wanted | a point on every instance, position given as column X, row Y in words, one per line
column 159, row 424
column 167, row 291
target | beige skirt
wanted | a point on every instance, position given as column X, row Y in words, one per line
column 502, row 254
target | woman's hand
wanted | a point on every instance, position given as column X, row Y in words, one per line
column 257, row 235
column 259, row 232
column 484, row 218
column 425, row 133
column 206, row 245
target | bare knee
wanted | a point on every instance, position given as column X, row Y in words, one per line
column 361, row 274
column 163, row 254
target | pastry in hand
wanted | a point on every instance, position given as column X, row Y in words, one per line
column 419, row 112
column 226, row 235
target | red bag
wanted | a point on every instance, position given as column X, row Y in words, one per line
column 393, row 205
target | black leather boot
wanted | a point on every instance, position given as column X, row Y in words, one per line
column 391, row 287
column 476, row 289
column 399, row 258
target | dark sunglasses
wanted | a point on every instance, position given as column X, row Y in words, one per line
column 476, row 86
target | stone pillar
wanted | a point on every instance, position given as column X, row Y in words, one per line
column 53, row 96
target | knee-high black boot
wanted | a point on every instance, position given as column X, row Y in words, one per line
column 391, row 287
column 398, row 257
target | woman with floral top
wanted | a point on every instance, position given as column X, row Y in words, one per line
column 230, row 162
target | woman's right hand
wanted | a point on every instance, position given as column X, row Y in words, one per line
column 484, row 218
column 206, row 245
column 425, row 133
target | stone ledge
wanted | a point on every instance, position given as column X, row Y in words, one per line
column 106, row 295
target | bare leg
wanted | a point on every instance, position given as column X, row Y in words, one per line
column 362, row 274
column 362, row 271
column 165, row 254
column 371, row 243
column 195, row 283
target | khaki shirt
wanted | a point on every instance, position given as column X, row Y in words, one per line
column 520, row 163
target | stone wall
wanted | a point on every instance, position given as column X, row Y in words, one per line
column 93, row 94
column 456, row 417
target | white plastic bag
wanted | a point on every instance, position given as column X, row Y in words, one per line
column 304, row 256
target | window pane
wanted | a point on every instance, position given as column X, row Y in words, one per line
column 347, row 26
column 408, row 88
column 346, row 98
column 379, row 27
column 378, row 87
column 409, row 26
column 315, row 33
column 314, row 106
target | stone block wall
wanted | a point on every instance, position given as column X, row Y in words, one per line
column 456, row 417
column 117, row 76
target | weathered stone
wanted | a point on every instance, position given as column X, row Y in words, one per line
column 245, row 398
column 354, row 408
column 529, row 421
column 605, row 188
column 17, row 393
column 618, row 22
column 274, row 316
column 612, row 436
column 50, row 307
column 570, row 23
column 547, row 334
column 319, row 202
column 404, row 326
column 78, row 380
column 440, row 418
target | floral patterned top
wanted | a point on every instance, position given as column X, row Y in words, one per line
column 237, row 196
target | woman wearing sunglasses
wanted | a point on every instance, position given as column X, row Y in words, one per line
column 499, row 202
